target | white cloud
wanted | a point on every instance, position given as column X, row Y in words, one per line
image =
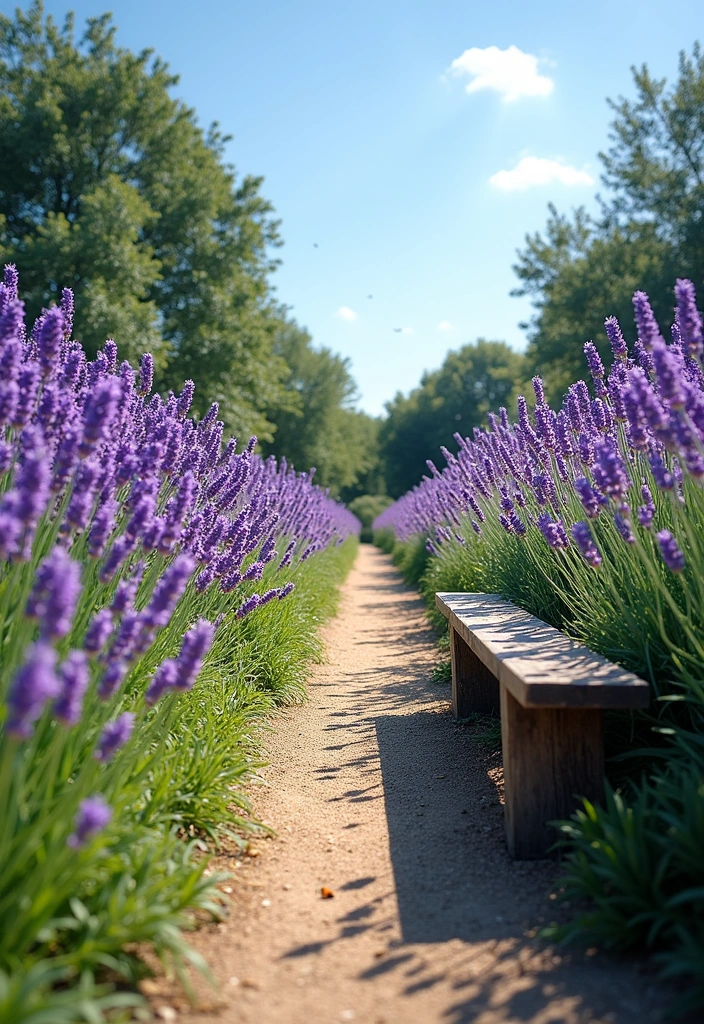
column 445, row 325
column 511, row 72
column 408, row 330
column 534, row 171
column 345, row 313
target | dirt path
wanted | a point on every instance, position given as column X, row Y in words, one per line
column 376, row 794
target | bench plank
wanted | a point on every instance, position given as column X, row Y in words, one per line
column 539, row 665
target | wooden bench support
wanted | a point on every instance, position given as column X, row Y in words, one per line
column 552, row 757
column 552, row 693
column 474, row 687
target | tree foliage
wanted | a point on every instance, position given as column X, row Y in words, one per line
column 471, row 382
column 650, row 228
column 109, row 185
column 316, row 424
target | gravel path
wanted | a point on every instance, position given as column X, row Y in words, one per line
column 378, row 796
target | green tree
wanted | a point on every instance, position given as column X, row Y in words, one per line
column 367, row 507
column 649, row 231
column 316, row 424
column 475, row 380
column 109, row 185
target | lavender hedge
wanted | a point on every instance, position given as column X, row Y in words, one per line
column 139, row 554
column 592, row 517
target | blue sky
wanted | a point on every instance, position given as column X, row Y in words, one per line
column 358, row 116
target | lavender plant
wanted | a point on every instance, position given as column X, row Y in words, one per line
column 592, row 517
column 136, row 547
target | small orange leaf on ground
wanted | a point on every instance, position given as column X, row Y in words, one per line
column 327, row 894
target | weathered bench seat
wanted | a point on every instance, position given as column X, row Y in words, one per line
column 551, row 692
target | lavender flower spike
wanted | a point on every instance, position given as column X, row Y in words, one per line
column 114, row 735
column 583, row 536
column 146, row 374
column 196, row 644
column 690, row 319
column 648, row 330
column 671, row 552
column 616, row 339
column 93, row 816
column 249, row 605
column 74, row 683
column 164, row 679
column 55, row 593
column 36, row 683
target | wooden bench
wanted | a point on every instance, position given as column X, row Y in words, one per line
column 551, row 692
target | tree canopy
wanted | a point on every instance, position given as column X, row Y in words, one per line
column 649, row 231
column 109, row 185
column 316, row 424
column 472, row 382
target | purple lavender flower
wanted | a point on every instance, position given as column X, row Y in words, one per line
column 600, row 415
column 196, row 644
column 83, row 496
column 609, row 471
column 669, row 372
column 98, row 631
column 110, row 353
column 583, row 536
column 6, row 455
column 9, row 399
column 53, row 599
column 249, row 605
column 73, row 675
column 67, row 310
column 93, row 816
column 113, row 677
column 539, row 390
column 646, row 512
column 11, row 319
column 164, row 679
column 146, row 374
column 127, row 636
column 49, row 340
column 125, row 594
column 32, row 480
column 114, row 735
column 28, row 382
column 102, row 526
column 664, row 479
column 553, row 531
column 624, row 528
column 122, row 547
column 168, row 591
column 586, row 448
column 648, row 330
column 596, row 367
column 99, row 413
column 613, row 331
column 671, row 553
column 690, row 319
column 185, row 399
column 288, row 554
column 34, row 684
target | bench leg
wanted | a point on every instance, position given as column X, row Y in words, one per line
column 552, row 756
column 474, row 688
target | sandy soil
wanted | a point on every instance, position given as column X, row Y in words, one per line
column 376, row 794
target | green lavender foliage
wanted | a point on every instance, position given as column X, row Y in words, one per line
column 67, row 915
